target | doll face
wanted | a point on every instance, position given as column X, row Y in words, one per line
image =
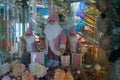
column 28, row 35
column 51, row 22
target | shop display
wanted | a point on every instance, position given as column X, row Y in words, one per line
column 37, row 45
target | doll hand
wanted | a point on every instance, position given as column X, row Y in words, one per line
column 62, row 50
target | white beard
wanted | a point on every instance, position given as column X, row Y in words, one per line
column 29, row 41
column 52, row 31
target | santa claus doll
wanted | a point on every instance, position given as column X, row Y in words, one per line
column 75, row 44
column 55, row 40
column 31, row 44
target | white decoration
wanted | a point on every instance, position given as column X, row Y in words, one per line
column 4, row 68
column 37, row 69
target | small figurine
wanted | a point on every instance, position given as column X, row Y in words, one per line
column 31, row 44
column 74, row 41
column 55, row 42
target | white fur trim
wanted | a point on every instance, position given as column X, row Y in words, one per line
column 62, row 46
column 51, row 44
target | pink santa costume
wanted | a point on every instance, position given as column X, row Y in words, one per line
column 74, row 42
column 55, row 40
column 31, row 45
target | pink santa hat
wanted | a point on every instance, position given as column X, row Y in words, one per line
column 73, row 31
column 29, row 30
column 53, row 15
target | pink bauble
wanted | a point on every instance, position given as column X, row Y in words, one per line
column 6, row 78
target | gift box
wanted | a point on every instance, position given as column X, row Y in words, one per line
column 76, row 60
column 37, row 57
column 65, row 61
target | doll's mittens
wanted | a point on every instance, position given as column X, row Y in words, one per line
column 62, row 50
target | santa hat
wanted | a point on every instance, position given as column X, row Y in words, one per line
column 73, row 31
column 29, row 30
column 53, row 15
